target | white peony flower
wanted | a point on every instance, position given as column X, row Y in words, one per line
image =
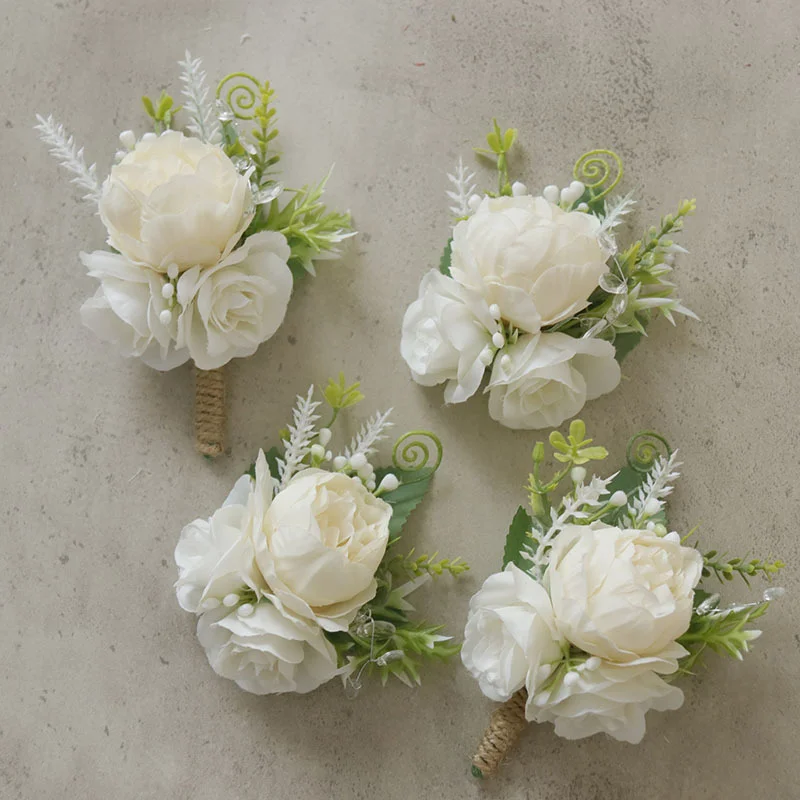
column 447, row 331
column 175, row 200
column 548, row 377
column 621, row 594
column 266, row 651
column 539, row 264
column 604, row 697
column 125, row 310
column 215, row 557
column 321, row 541
column 229, row 309
column 510, row 634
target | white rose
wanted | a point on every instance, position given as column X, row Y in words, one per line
column 125, row 310
column 323, row 538
column 604, row 697
column 266, row 651
column 446, row 332
column 215, row 557
column 175, row 200
column 548, row 378
column 510, row 633
column 621, row 594
column 539, row 264
column 229, row 309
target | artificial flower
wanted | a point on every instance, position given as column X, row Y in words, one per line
column 215, row 556
column 510, row 633
column 174, row 199
column 322, row 540
column 266, row 651
column 447, row 336
column 284, row 575
column 600, row 696
column 231, row 308
column 535, row 261
column 543, row 379
column 621, row 594
column 129, row 310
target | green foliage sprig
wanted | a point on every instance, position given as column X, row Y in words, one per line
column 724, row 631
column 162, row 112
column 500, row 142
column 726, row 569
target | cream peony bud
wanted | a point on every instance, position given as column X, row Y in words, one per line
column 175, row 199
column 319, row 545
column 537, row 263
column 621, row 594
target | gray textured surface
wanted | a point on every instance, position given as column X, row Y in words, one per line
column 105, row 692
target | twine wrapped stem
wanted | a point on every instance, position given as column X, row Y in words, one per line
column 505, row 726
column 209, row 412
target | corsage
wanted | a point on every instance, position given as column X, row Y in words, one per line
column 600, row 608
column 537, row 291
column 299, row 576
column 202, row 257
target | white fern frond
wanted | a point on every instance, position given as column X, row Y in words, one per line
column 70, row 156
column 619, row 208
column 464, row 188
column 372, row 432
column 203, row 122
column 301, row 434
column 656, row 487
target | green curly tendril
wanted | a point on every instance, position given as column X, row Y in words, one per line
column 644, row 448
column 593, row 170
column 412, row 453
column 240, row 96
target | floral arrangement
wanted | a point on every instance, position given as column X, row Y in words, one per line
column 299, row 577
column 202, row 256
column 599, row 608
column 538, row 291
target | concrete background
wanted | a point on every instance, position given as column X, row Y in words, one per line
column 105, row 692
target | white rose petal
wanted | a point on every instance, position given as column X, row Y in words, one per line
column 266, row 651
column 215, row 557
column 621, row 594
column 539, row 264
column 546, row 378
column 604, row 697
column 445, row 333
column 321, row 541
column 175, row 200
column 231, row 308
column 510, row 634
column 127, row 308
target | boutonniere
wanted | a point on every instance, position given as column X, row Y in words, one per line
column 203, row 252
column 600, row 608
column 300, row 577
column 537, row 291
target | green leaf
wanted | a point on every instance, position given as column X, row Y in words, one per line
column 517, row 538
column 624, row 343
column 509, row 138
column 444, row 261
column 403, row 500
column 493, row 140
column 148, row 106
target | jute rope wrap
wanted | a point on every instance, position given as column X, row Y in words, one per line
column 505, row 727
column 209, row 412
